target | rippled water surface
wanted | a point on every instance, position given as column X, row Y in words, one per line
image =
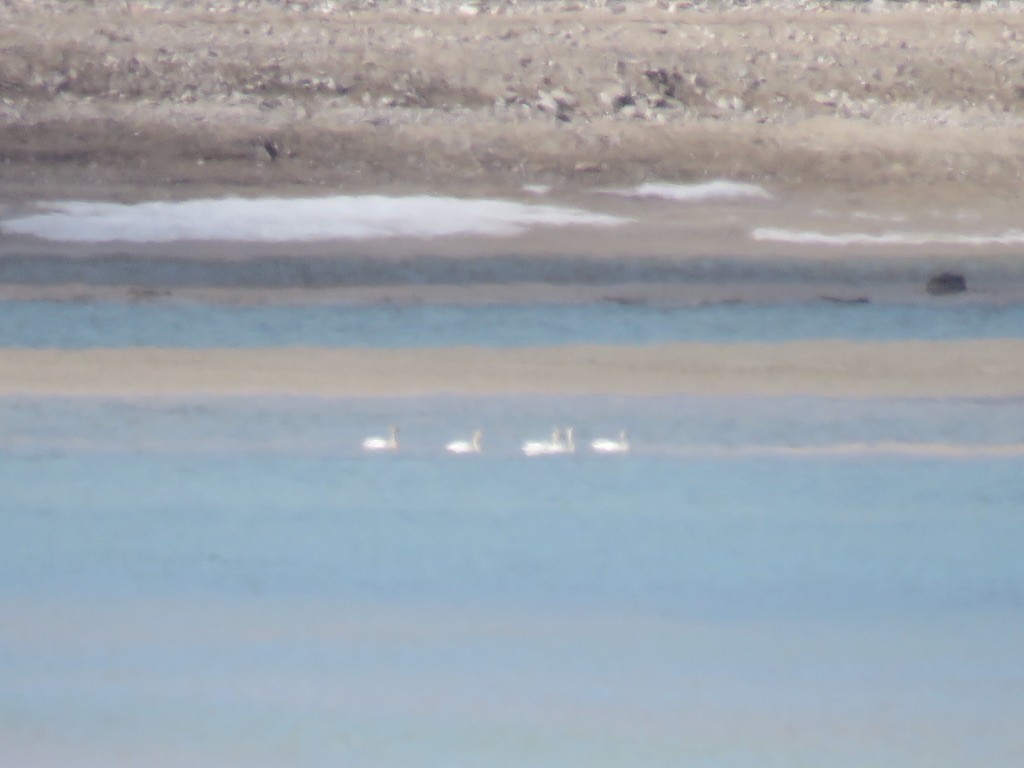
column 760, row 582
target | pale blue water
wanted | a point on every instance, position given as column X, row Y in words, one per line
column 762, row 582
column 85, row 324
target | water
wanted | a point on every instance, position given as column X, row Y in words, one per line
column 761, row 582
column 233, row 582
column 120, row 324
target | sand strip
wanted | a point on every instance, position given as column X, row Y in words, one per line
column 828, row 368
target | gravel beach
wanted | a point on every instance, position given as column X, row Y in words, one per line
column 916, row 103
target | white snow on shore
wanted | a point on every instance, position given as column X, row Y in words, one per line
column 799, row 237
column 297, row 219
column 709, row 191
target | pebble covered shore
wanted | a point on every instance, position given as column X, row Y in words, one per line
column 914, row 100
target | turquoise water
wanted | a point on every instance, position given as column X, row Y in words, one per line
column 85, row 324
column 761, row 582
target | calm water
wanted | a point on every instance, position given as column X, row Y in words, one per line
column 762, row 582
column 86, row 324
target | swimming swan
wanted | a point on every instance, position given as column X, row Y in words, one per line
column 556, row 445
column 606, row 445
column 544, row 447
column 466, row 446
column 389, row 443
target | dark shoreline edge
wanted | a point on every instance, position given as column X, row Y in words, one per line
column 302, row 279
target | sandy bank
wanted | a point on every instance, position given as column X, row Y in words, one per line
column 828, row 368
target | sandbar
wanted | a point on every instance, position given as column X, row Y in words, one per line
column 992, row 368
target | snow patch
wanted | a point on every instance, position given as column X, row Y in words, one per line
column 710, row 191
column 778, row 235
column 295, row 219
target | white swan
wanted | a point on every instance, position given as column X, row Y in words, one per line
column 556, row 445
column 569, row 445
column 606, row 445
column 544, row 447
column 389, row 443
column 466, row 446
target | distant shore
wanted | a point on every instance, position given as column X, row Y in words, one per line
column 909, row 105
column 860, row 119
column 825, row 368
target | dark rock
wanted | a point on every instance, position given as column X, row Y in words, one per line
column 845, row 299
column 946, row 283
column 267, row 149
column 626, row 301
column 625, row 99
column 557, row 103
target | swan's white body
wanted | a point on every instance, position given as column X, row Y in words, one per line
column 556, row 445
column 466, row 446
column 389, row 443
column 607, row 445
column 543, row 447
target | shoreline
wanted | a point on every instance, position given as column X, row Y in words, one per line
column 993, row 368
column 673, row 251
column 993, row 291
column 864, row 123
column 907, row 104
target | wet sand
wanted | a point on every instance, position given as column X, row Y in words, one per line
column 663, row 252
column 825, row 368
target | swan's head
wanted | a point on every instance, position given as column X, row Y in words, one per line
column 477, row 437
column 623, row 437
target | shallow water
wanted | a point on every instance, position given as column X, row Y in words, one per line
column 760, row 582
column 117, row 324
column 233, row 582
